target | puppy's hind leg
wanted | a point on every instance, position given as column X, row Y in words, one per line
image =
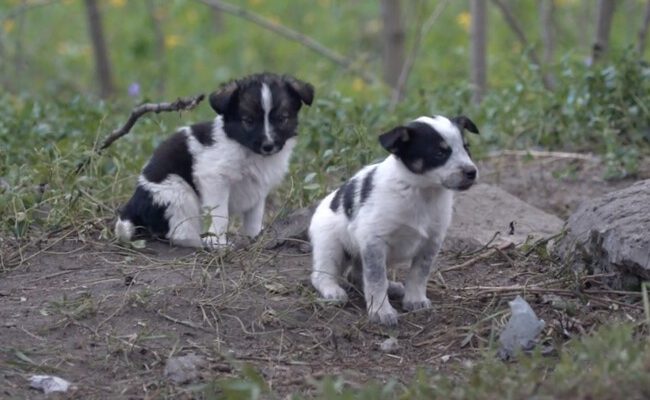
column 327, row 268
column 185, row 219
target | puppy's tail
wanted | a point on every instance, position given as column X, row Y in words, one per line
column 124, row 229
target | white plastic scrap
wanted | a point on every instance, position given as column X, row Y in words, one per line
column 521, row 330
column 48, row 383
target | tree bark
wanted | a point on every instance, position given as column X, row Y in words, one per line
column 159, row 47
column 603, row 27
column 393, row 41
column 643, row 32
column 102, row 62
column 478, row 44
column 547, row 22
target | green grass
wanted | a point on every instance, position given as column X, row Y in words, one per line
column 612, row 363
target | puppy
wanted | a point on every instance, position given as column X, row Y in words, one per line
column 393, row 212
column 223, row 167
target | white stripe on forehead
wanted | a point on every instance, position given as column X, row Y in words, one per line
column 449, row 132
column 267, row 104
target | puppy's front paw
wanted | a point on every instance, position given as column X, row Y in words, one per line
column 416, row 304
column 386, row 315
column 334, row 294
column 215, row 242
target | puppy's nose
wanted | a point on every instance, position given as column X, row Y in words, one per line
column 470, row 173
column 267, row 147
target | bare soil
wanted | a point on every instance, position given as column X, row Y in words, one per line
column 107, row 317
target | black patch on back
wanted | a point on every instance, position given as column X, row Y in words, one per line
column 171, row 157
column 203, row 133
column 348, row 197
column 143, row 213
column 336, row 201
column 425, row 144
column 367, row 185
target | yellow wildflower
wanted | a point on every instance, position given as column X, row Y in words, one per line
column 464, row 19
column 9, row 25
column 118, row 3
column 358, row 85
column 172, row 41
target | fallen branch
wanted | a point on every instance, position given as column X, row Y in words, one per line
column 183, row 322
column 489, row 252
column 290, row 34
column 182, row 104
column 538, row 153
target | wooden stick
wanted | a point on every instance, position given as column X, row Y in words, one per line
column 540, row 153
column 187, row 103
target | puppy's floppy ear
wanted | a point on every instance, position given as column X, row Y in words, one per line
column 395, row 139
column 220, row 99
column 465, row 123
column 304, row 90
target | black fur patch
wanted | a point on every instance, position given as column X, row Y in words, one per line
column 171, row 157
column 424, row 150
column 143, row 213
column 203, row 133
column 336, row 200
column 367, row 185
column 348, row 197
column 243, row 114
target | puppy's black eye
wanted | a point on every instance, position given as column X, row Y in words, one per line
column 247, row 121
column 283, row 119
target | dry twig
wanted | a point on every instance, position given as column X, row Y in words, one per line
column 182, row 104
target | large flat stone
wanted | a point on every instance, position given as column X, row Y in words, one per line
column 486, row 210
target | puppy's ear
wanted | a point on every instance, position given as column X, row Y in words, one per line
column 304, row 90
column 395, row 139
column 465, row 123
column 220, row 99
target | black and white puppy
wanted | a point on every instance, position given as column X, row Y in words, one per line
column 223, row 167
column 393, row 212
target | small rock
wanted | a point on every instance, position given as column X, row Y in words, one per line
column 184, row 369
column 293, row 226
column 48, row 384
column 521, row 330
column 389, row 345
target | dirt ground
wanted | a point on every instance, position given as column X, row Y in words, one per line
column 107, row 317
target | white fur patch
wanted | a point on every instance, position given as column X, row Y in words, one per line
column 267, row 105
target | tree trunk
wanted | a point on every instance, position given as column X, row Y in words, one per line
column 159, row 47
column 102, row 63
column 547, row 22
column 478, row 44
column 643, row 32
column 393, row 41
column 604, row 24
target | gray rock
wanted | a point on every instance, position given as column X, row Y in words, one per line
column 612, row 234
column 293, row 226
column 389, row 345
column 521, row 330
column 48, row 383
column 184, row 369
column 484, row 210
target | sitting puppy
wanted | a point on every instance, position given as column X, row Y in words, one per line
column 393, row 212
column 222, row 167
